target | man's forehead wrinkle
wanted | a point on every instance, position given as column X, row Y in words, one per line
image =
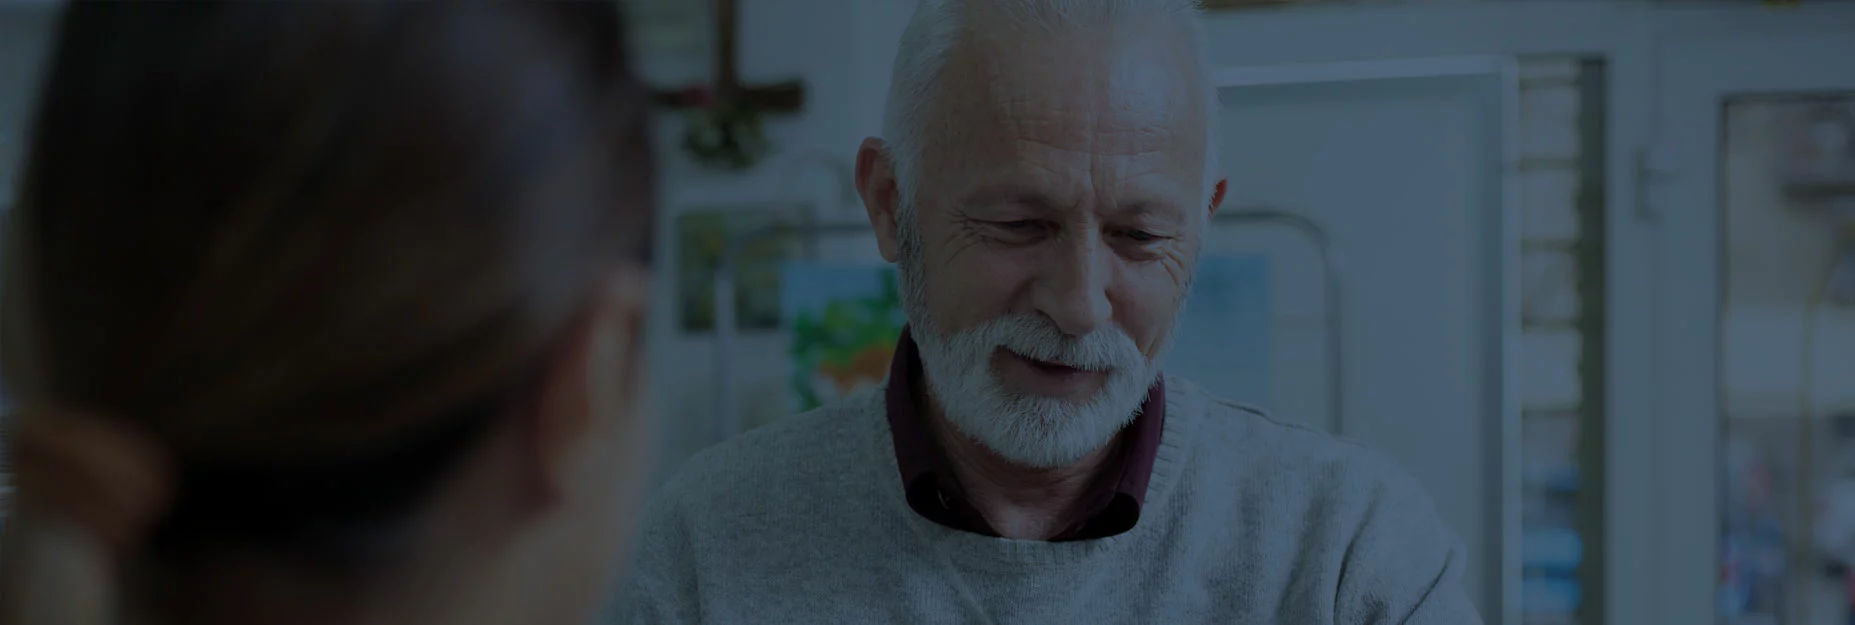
column 1071, row 129
column 1049, row 171
column 1038, row 105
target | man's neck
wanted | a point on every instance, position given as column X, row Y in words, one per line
column 1028, row 503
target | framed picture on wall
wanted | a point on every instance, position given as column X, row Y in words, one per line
column 844, row 321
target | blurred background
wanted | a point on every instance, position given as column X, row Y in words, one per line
column 1587, row 268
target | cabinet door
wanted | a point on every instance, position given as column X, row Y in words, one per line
column 1756, row 363
column 1404, row 165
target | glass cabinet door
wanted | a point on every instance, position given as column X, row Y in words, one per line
column 1755, row 315
column 1786, row 391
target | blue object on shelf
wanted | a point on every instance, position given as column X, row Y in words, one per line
column 1564, row 480
column 1554, row 548
column 1550, row 595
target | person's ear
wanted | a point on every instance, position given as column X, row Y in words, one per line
column 616, row 375
column 593, row 372
column 1217, row 195
column 876, row 184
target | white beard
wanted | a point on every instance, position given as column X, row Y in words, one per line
column 1028, row 430
column 1031, row 430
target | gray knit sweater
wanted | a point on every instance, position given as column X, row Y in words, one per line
column 1247, row 520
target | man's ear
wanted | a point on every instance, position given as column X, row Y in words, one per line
column 876, row 184
column 1217, row 195
column 594, row 366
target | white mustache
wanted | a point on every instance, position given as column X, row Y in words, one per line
column 1037, row 338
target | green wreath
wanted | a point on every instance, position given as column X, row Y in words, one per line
column 727, row 136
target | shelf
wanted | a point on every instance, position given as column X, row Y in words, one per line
column 1820, row 185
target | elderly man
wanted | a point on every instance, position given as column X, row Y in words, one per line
column 1044, row 186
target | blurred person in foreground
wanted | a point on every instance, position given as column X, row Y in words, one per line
column 327, row 313
column 1044, row 184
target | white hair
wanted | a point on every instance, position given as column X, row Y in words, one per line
column 938, row 27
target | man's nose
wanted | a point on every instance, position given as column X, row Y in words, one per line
column 1074, row 288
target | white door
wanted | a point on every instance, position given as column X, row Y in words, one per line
column 1755, row 364
column 1403, row 163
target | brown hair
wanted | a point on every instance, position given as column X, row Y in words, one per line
column 303, row 244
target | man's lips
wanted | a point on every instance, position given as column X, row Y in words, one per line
column 1055, row 367
column 1045, row 378
column 1052, row 367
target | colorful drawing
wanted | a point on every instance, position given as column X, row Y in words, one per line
column 1223, row 334
column 704, row 235
column 844, row 322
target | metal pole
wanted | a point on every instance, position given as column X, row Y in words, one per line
column 727, row 411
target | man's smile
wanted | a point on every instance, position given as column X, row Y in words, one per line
column 1043, row 378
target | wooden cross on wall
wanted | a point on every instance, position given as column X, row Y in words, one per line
column 725, row 119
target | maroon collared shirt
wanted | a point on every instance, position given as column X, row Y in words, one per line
column 934, row 493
